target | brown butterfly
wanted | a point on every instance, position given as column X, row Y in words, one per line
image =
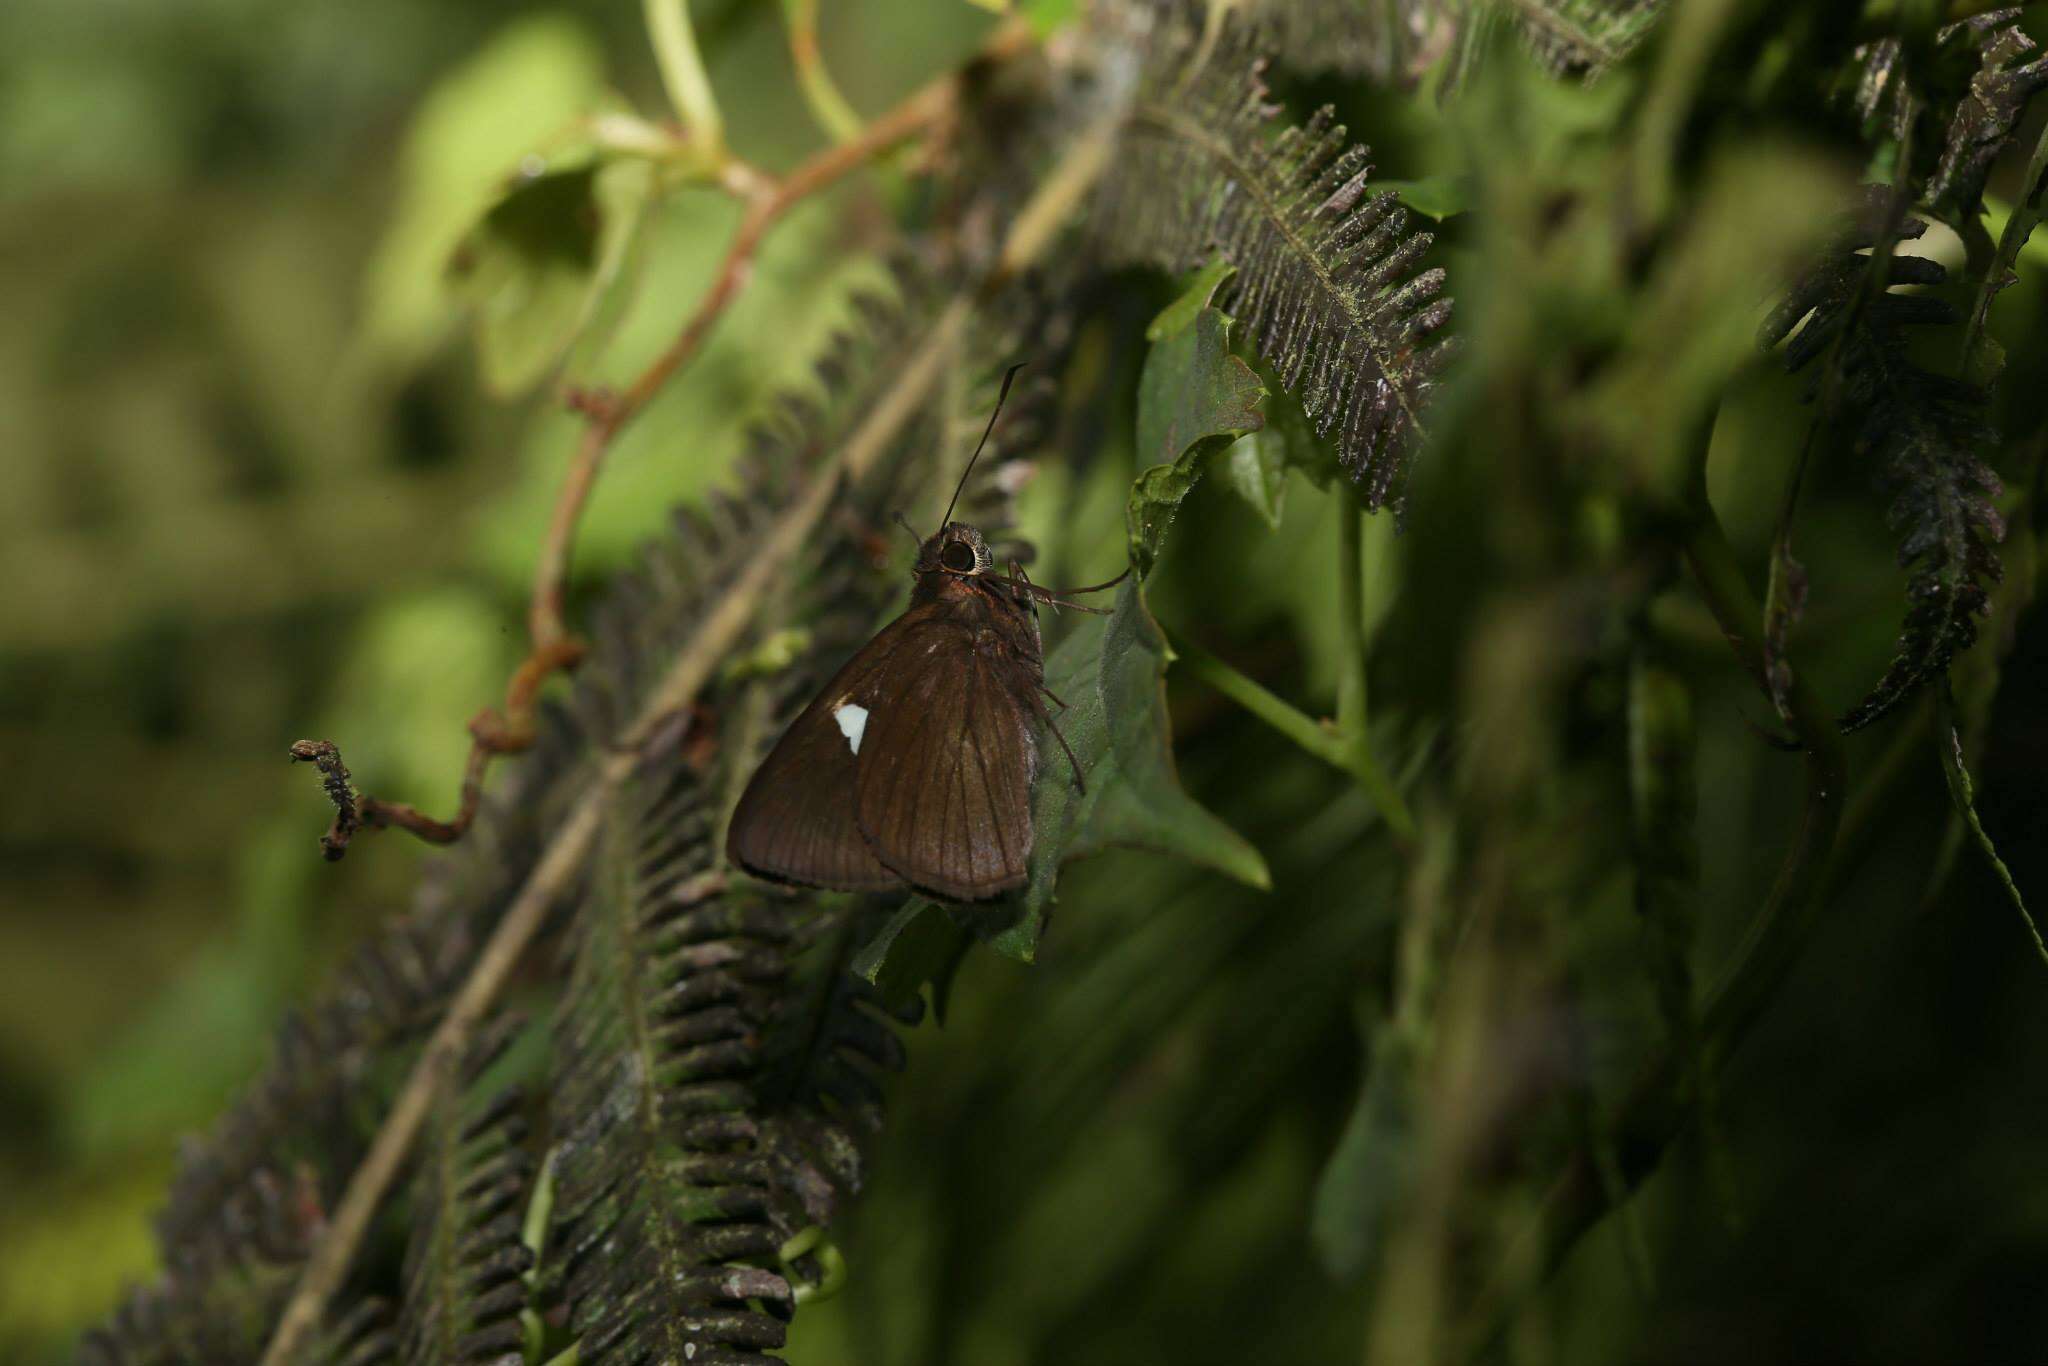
column 914, row 767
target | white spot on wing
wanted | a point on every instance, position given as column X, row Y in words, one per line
column 853, row 723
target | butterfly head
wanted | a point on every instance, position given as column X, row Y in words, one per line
column 956, row 549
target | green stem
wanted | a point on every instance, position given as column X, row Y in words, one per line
column 1950, row 742
column 682, row 70
column 1351, row 647
column 1324, row 741
column 828, row 106
column 2018, row 227
column 1353, row 720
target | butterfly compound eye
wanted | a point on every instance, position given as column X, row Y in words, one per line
column 959, row 557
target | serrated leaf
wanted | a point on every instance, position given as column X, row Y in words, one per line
column 1194, row 400
column 1179, row 315
column 1113, row 681
column 1330, row 280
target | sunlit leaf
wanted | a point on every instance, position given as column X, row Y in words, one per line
column 535, row 267
column 504, row 104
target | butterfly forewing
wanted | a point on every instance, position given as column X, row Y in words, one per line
column 795, row 822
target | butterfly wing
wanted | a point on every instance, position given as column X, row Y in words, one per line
column 795, row 821
column 943, row 776
column 913, row 766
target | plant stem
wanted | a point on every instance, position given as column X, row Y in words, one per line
column 682, row 71
column 1353, row 722
column 1319, row 738
column 2026, row 212
column 1961, row 791
column 1351, row 646
column 828, row 106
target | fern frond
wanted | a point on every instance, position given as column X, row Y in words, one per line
column 217, row 1302
column 465, row 1260
column 1986, row 118
column 1329, row 283
column 1979, row 72
column 312, row 1109
column 1923, row 433
column 1578, row 37
column 1384, row 40
column 660, row 1198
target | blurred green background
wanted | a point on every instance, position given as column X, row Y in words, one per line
column 256, row 489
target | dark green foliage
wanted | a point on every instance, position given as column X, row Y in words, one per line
column 711, row 1098
column 466, row 1262
column 1329, row 282
column 1922, row 432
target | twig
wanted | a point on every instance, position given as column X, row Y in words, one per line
column 348, row 816
column 325, row 1268
column 2026, row 212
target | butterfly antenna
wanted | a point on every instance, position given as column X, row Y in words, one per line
column 1008, row 375
column 904, row 522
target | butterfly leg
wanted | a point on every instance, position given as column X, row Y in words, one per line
column 1045, row 719
column 1037, row 594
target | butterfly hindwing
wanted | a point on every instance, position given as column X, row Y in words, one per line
column 944, row 773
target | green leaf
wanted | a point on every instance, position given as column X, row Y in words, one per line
column 1438, row 197
column 1369, row 1172
column 535, row 268
column 1113, row 681
column 920, row 943
column 531, row 81
column 1256, row 466
column 1194, row 400
column 1177, row 316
